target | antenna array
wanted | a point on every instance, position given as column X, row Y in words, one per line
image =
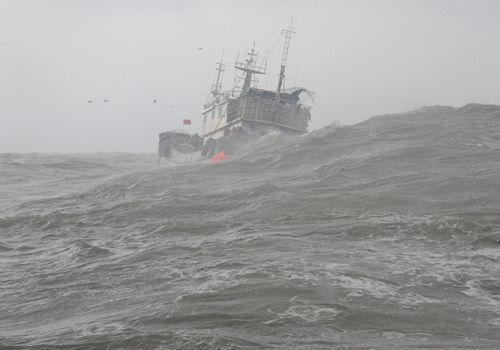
column 286, row 47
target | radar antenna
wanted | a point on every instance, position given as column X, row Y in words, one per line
column 249, row 67
column 288, row 37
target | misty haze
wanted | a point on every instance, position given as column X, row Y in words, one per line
column 249, row 174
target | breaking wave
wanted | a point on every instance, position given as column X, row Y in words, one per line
column 383, row 235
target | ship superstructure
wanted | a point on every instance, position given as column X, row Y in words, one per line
column 232, row 117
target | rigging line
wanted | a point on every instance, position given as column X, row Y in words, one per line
column 276, row 42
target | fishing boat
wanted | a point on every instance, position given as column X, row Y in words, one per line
column 233, row 118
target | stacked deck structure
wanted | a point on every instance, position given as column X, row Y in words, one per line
column 235, row 117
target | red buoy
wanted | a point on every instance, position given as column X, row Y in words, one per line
column 219, row 157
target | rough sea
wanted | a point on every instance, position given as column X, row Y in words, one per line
column 380, row 235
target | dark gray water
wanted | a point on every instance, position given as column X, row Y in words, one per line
column 383, row 235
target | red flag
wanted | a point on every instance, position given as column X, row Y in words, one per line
column 186, row 122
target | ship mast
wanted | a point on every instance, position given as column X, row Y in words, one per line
column 250, row 68
column 217, row 86
column 288, row 37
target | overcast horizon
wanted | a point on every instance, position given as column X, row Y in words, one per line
column 360, row 58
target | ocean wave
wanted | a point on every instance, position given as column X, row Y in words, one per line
column 382, row 234
column 84, row 250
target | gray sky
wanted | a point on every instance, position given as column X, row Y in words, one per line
column 361, row 58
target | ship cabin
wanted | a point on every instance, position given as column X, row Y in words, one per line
column 254, row 110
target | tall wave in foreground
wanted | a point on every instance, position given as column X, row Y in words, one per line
column 381, row 235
